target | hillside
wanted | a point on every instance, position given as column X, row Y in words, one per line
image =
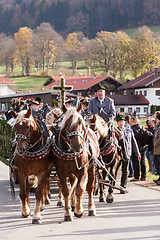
column 87, row 16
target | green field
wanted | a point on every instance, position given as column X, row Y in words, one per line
column 131, row 31
column 29, row 83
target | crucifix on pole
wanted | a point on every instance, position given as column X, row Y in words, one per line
column 62, row 87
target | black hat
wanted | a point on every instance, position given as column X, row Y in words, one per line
column 120, row 117
column 39, row 99
column 33, row 101
column 85, row 100
column 100, row 86
column 158, row 116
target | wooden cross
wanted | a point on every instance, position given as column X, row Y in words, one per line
column 62, row 89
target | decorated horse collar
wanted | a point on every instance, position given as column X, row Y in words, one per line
column 60, row 152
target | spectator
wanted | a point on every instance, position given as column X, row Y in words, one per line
column 143, row 138
column 156, row 146
column 129, row 142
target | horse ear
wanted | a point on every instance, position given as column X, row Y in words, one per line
column 64, row 108
column 29, row 113
column 14, row 114
column 79, row 108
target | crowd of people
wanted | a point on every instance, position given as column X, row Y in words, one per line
column 137, row 142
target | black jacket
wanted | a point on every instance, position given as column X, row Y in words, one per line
column 144, row 138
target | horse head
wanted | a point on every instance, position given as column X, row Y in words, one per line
column 73, row 128
column 98, row 125
column 24, row 124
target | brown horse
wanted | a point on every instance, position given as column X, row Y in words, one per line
column 70, row 147
column 108, row 152
column 33, row 156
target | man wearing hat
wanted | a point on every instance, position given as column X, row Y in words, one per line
column 156, row 146
column 69, row 102
column 130, row 143
column 102, row 105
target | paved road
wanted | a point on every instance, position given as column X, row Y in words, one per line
column 134, row 216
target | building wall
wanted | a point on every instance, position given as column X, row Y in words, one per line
column 141, row 110
column 5, row 90
column 151, row 95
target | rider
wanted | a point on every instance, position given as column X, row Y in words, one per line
column 104, row 107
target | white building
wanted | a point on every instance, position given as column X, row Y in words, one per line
column 147, row 85
column 6, row 86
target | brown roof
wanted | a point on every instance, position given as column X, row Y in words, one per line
column 129, row 99
column 142, row 81
column 6, row 81
column 79, row 83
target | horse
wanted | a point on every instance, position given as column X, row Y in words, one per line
column 108, row 152
column 71, row 140
column 32, row 156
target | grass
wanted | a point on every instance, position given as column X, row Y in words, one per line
column 4, row 160
column 131, row 31
column 29, row 83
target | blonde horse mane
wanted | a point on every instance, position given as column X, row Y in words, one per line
column 101, row 125
column 72, row 111
column 22, row 116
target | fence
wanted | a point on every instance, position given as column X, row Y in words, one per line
column 7, row 135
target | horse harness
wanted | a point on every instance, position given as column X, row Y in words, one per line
column 45, row 146
column 69, row 154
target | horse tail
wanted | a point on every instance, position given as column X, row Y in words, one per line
column 12, row 183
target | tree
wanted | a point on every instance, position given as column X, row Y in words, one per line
column 23, row 45
column 105, row 49
column 121, row 54
column 144, row 51
column 6, row 52
column 46, row 45
column 74, row 49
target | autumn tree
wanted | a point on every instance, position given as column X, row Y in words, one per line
column 74, row 48
column 88, row 53
column 7, row 48
column 144, row 51
column 46, row 46
column 121, row 61
column 105, row 49
column 23, row 45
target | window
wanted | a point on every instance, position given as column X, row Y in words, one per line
column 129, row 110
column 3, row 106
column 140, row 92
column 138, row 109
column 136, row 92
column 146, row 109
column 145, row 92
column 121, row 109
column 157, row 92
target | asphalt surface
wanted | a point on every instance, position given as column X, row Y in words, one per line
column 135, row 216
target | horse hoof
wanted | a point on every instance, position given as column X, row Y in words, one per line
column 109, row 200
column 26, row 216
column 60, row 204
column 92, row 213
column 36, row 221
column 78, row 215
column 68, row 218
column 72, row 208
column 47, row 202
column 101, row 199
